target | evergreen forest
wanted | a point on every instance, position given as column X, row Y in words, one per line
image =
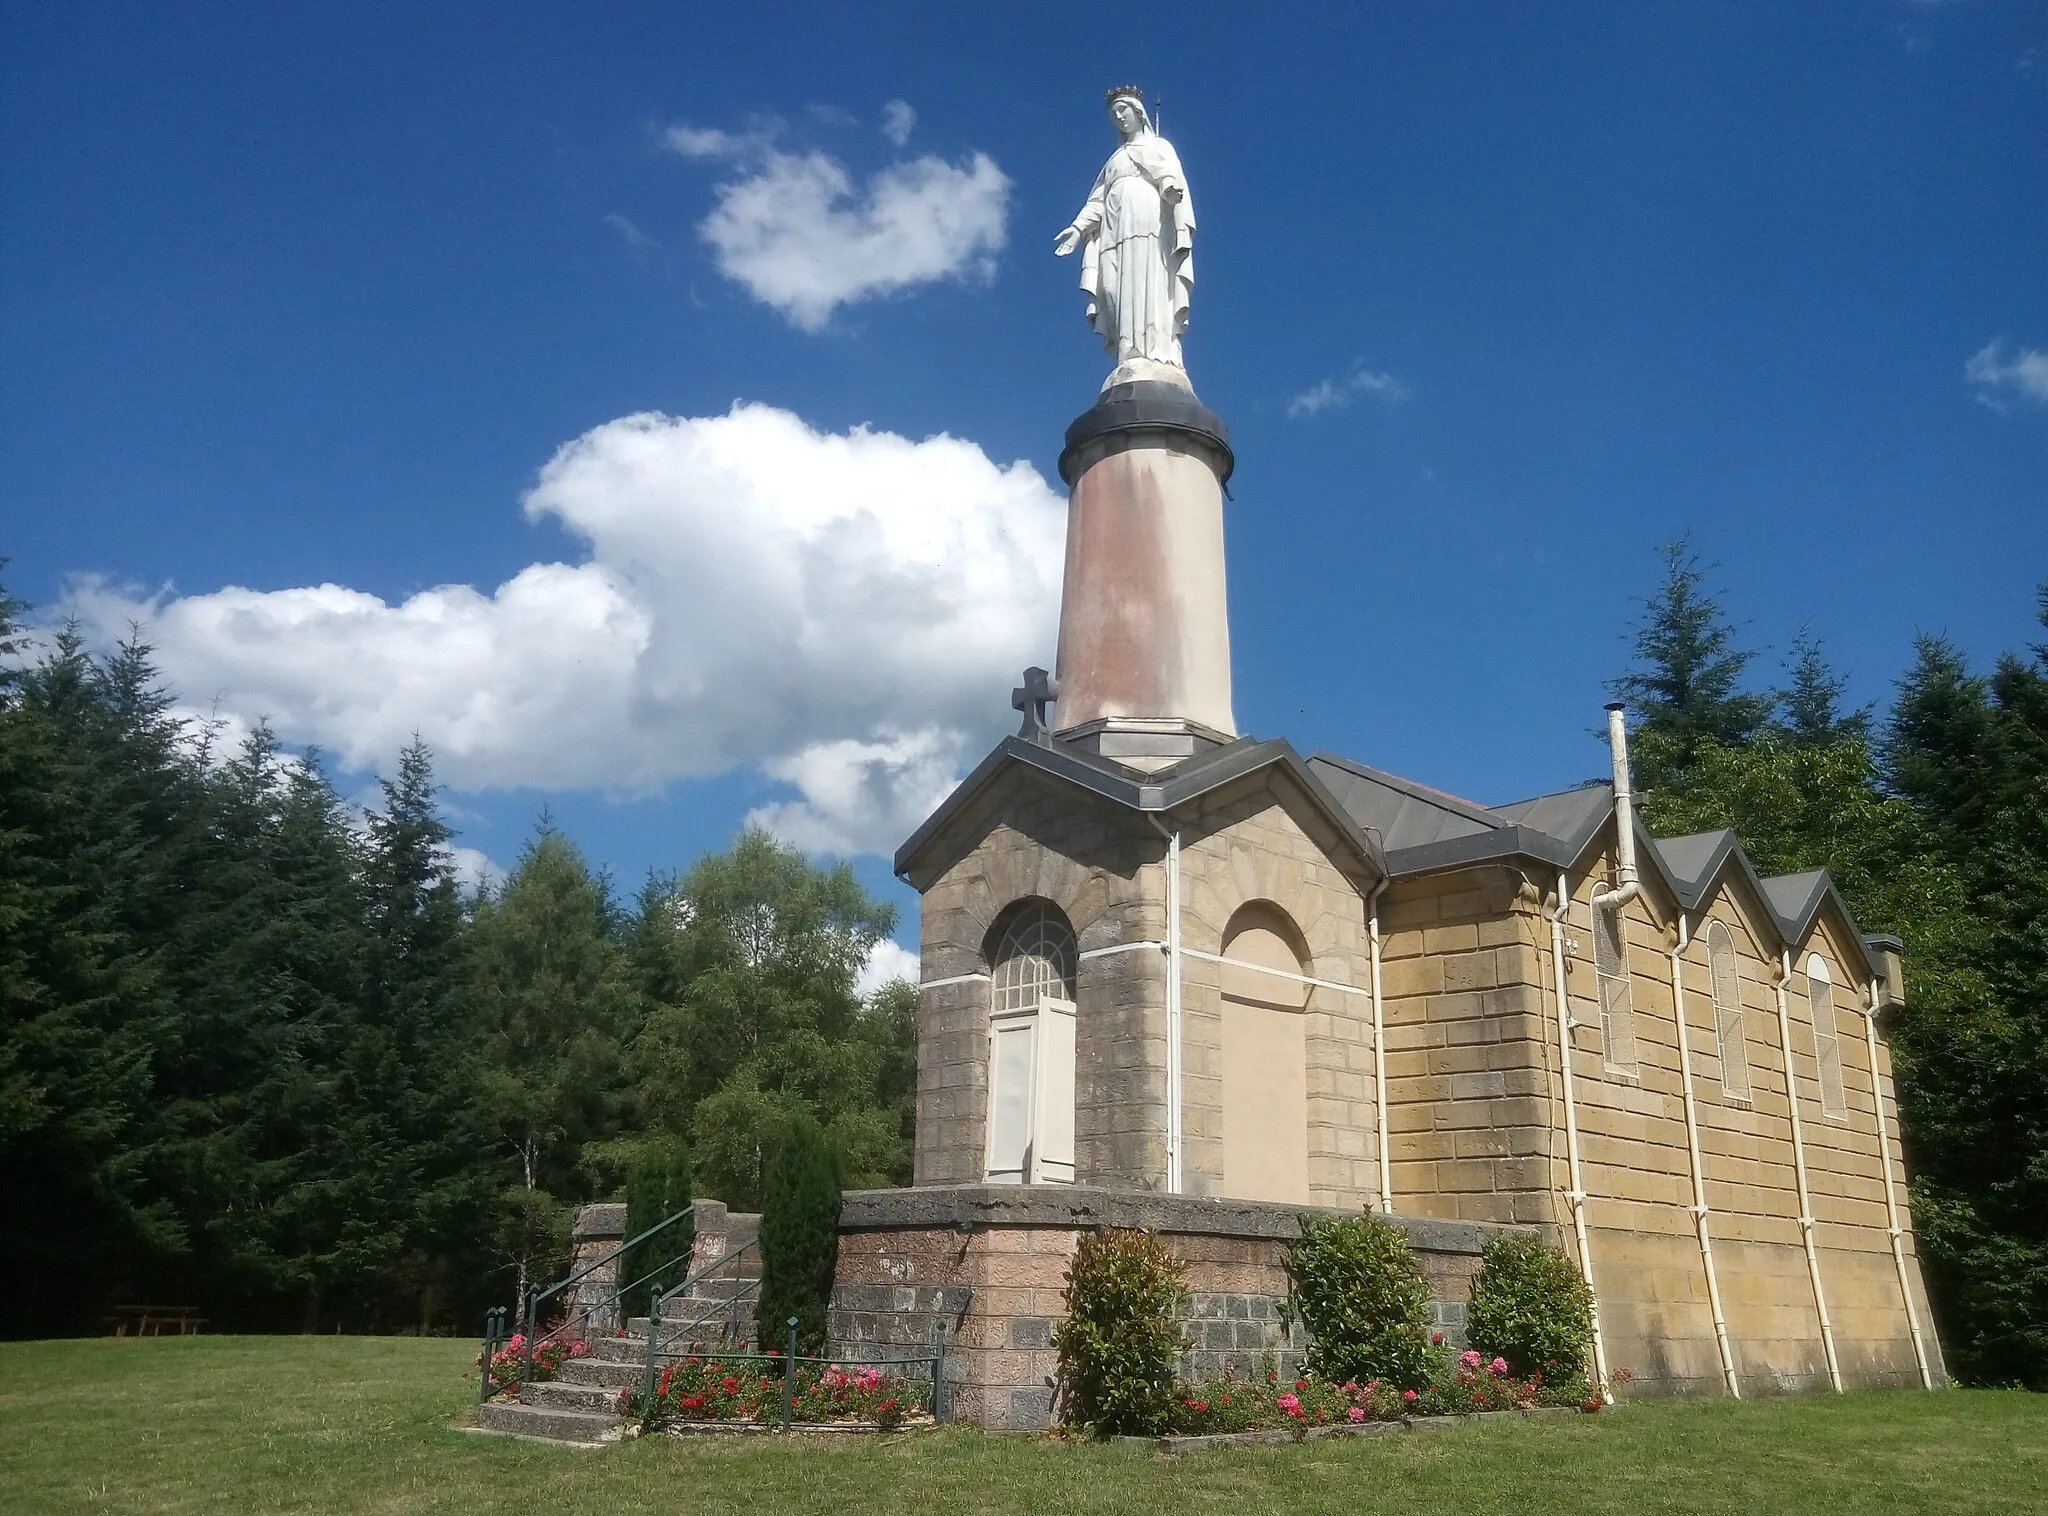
column 262, row 1055
column 259, row 1052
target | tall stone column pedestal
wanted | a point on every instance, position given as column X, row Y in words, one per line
column 1144, row 648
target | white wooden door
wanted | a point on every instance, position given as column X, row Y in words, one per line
column 1012, row 1063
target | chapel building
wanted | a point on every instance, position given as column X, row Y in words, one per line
column 1177, row 976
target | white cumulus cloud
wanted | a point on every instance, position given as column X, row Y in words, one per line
column 2001, row 375
column 1335, row 394
column 898, row 121
column 888, row 961
column 802, row 237
column 845, row 611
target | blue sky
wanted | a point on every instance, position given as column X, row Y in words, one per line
column 1496, row 298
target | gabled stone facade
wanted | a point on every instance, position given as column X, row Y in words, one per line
column 1313, row 854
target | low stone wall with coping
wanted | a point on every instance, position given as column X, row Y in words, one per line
column 990, row 1262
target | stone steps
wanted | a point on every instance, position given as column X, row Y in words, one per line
column 555, row 1423
column 573, row 1395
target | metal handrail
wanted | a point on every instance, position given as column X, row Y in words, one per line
column 654, row 1308
column 535, row 1297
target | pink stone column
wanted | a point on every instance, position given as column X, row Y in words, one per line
column 1144, row 634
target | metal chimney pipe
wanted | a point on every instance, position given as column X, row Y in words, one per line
column 1624, row 817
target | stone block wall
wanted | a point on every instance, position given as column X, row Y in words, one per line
column 991, row 1261
column 1248, row 845
column 1103, row 867
column 1469, row 1067
column 1647, row 1261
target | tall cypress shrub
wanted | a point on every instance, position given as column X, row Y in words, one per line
column 799, row 1236
column 657, row 1186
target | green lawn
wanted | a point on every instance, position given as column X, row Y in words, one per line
column 258, row 1424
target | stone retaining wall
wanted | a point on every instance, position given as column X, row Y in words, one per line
column 991, row 1260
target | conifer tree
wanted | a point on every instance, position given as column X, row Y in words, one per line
column 1812, row 702
column 1971, row 754
column 799, row 1236
column 1684, row 690
column 657, row 1187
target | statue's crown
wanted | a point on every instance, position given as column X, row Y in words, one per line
column 1124, row 92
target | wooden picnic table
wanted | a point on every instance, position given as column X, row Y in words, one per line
column 154, row 1321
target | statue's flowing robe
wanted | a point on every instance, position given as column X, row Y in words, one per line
column 1138, row 266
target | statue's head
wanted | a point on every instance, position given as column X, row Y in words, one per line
column 1127, row 109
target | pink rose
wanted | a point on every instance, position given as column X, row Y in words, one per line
column 1470, row 1359
column 1289, row 1404
column 1498, row 1366
column 1409, row 1396
column 1357, row 1413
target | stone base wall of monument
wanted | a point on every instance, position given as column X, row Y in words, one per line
column 991, row 1261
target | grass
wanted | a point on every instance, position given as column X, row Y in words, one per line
column 262, row 1424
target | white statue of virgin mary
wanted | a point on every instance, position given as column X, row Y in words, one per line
column 1137, row 235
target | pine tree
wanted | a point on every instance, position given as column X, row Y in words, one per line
column 1812, row 702
column 799, row 1236
column 91, row 790
column 1971, row 754
column 1684, row 692
column 414, row 1049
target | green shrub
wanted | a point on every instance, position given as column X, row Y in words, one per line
column 1530, row 1306
column 657, row 1186
column 1362, row 1294
column 1121, row 1339
column 799, row 1237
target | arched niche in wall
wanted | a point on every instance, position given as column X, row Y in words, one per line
column 1031, row 955
column 1265, row 1056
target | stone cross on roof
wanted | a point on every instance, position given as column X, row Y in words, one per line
column 1038, row 690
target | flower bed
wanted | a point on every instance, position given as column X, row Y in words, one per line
column 1458, row 1385
column 710, row 1389
column 548, row 1357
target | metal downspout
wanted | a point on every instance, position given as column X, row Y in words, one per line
column 1173, row 967
column 1692, row 1147
column 1891, row 1199
column 1575, row 1197
column 1379, row 1048
column 1806, row 1221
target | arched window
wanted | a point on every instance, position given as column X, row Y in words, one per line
column 1827, row 1039
column 1035, row 958
column 1264, row 1057
column 1031, row 1049
column 1617, row 998
column 1725, row 971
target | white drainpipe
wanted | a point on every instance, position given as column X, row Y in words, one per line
column 1173, row 965
column 1379, row 1047
column 1575, row 1197
column 1806, row 1221
column 1692, row 1147
column 1630, row 886
column 1891, row 1199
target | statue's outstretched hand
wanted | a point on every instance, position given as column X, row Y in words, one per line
column 1066, row 242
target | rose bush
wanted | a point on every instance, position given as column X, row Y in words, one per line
column 708, row 1389
column 549, row 1354
column 1457, row 1384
